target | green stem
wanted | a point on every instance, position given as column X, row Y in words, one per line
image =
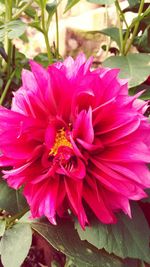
column 10, row 221
column 121, row 13
column 2, row 98
column 135, row 28
column 57, row 32
column 7, row 42
column 45, row 33
column 48, row 47
column 9, row 53
column 17, row 15
column 120, row 27
column 139, row 18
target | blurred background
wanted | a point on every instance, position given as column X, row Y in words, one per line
column 78, row 31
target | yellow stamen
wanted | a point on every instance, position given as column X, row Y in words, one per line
column 60, row 140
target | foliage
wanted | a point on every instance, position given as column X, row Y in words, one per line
column 128, row 67
column 126, row 240
column 125, row 244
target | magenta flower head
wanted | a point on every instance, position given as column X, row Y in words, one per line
column 75, row 139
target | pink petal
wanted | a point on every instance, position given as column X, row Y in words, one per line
column 83, row 127
column 93, row 198
column 74, row 193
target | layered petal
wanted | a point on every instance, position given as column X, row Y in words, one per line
column 74, row 139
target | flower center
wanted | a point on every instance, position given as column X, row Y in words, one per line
column 60, row 140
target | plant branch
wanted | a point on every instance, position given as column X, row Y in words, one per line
column 7, row 42
column 45, row 33
column 121, row 13
column 139, row 18
column 57, row 32
column 17, row 15
column 135, row 27
column 2, row 98
column 120, row 27
column 10, row 221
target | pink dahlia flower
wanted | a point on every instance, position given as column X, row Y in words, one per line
column 75, row 139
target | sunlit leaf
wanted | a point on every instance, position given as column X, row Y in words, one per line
column 102, row 2
column 135, row 67
column 2, row 227
column 70, row 4
column 12, row 29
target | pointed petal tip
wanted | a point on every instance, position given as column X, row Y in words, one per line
column 52, row 220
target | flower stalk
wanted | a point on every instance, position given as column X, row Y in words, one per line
column 7, row 42
column 57, row 33
column 120, row 25
column 135, row 29
column 45, row 33
column 3, row 96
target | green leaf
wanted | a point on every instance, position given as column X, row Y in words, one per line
column 42, row 58
column 51, row 8
column 12, row 29
column 31, row 12
column 135, row 67
column 2, row 227
column 134, row 2
column 102, row 2
column 142, row 42
column 129, row 238
column 11, row 200
column 113, row 33
column 26, row 218
column 15, row 245
column 64, row 238
column 70, row 4
column 146, row 94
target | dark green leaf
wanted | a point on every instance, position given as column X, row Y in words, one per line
column 146, row 94
column 64, row 237
column 70, row 4
column 30, row 11
column 2, row 227
column 129, row 238
column 146, row 19
column 15, row 245
column 42, row 58
column 102, row 2
column 142, row 42
column 135, row 67
column 51, row 8
column 11, row 200
column 134, row 2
